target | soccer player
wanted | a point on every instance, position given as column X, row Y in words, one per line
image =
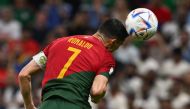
column 75, row 67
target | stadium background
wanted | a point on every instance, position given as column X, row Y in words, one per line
column 150, row 75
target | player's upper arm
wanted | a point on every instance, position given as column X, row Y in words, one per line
column 38, row 62
column 101, row 79
column 29, row 69
column 99, row 85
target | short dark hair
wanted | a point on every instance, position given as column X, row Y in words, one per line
column 113, row 28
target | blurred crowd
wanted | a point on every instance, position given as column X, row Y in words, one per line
column 153, row 74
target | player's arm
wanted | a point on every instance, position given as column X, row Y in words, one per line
column 98, row 88
column 100, row 82
column 25, row 83
column 38, row 62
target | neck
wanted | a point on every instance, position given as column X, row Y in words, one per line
column 105, row 41
column 100, row 37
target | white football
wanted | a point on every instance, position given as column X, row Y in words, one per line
column 141, row 24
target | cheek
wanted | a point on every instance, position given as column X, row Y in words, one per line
column 115, row 47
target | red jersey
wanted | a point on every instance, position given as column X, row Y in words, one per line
column 72, row 63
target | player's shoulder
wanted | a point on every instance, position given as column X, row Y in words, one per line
column 109, row 56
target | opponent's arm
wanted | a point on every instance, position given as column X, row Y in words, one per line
column 25, row 83
column 98, row 88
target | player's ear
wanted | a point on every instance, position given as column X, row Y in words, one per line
column 109, row 42
column 112, row 41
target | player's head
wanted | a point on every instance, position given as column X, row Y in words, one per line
column 113, row 33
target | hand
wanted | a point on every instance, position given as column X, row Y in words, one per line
column 96, row 99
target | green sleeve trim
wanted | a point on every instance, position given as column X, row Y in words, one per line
column 106, row 74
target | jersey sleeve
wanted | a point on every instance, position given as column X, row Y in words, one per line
column 46, row 49
column 107, row 67
column 41, row 57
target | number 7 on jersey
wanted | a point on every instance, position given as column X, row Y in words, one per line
column 76, row 52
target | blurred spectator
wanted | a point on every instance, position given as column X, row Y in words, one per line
column 2, row 104
column 57, row 12
column 146, row 100
column 159, row 48
column 162, row 86
column 22, row 51
column 172, row 29
column 175, row 66
column 60, row 31
column 40, row 29
column 9, row 27
column 23, row 13
column 187, row 106
column 75, row 4
column 116, row 99
column 95, row 10
column 127, row 53
column 10, row 92
column 182, row 11
column 183, row 42
column 120, row 10
column 110, row 3
column 146, row 62
column 165, row 104
column 186, row 80
column 4, row 3
column 137, row 3
column 80, row 24
column 36, row 4
column 179, row 97
column 131, row 99
column 171, row 4
column 160, row 10
column 10, row 97
column 30, row 46
column 130, row 81
column 3, row 72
